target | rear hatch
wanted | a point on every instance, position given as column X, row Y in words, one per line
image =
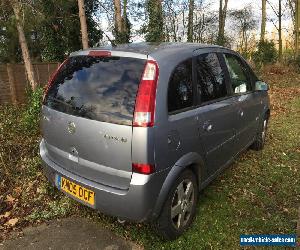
column 87, row 117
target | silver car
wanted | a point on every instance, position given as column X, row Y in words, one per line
column 136, row 131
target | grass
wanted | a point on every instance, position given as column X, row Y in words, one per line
column 259, row 193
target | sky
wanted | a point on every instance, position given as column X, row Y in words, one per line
column 232, row 4
column 256, row 5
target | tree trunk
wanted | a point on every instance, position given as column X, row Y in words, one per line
column 183, row 23
column 197, row 31
column 222, row 20
column 118, row 17
column 155, row 30
column 23, row 44
column 167, row 34
column 297, row 27
column 124, row 18
column 246, row 42
column 263, row 20
column 82, row 17
column 224, row 16
column 190, row 23
column 279, row 33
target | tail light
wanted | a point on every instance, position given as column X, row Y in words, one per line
column 142, row 168
column 53, row 77
column 145, row 100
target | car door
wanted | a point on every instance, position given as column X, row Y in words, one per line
column 216, row 111
column 242, row 89
column 182, row 124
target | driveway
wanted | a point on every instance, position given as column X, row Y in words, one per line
column 69, row 233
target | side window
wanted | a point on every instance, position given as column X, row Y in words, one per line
column 210, row 77
column 240, row 82
column 180, row 92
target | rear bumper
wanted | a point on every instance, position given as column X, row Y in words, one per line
column 136, row 203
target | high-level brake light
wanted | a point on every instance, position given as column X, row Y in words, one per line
column 102, row 53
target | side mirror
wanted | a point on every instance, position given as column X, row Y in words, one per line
column 261, row 86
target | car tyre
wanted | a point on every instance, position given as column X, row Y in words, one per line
column 179, row 209
column 260, row 139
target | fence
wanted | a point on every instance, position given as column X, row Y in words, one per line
column 13, row 80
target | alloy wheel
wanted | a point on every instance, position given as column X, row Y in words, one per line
column 182, row 203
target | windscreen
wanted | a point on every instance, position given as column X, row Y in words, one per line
column 97, row 88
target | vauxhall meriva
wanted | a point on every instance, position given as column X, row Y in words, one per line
column 137, row 130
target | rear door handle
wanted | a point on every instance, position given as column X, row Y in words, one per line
column 207, row 126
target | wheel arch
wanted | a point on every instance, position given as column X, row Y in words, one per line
column 192, row 161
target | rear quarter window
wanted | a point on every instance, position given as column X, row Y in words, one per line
column 97, row 88
column 180, row 89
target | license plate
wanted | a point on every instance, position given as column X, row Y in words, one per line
column 75, row 190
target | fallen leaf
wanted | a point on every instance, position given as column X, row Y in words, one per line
column 12, row 222
column 7, row 214
column 18, row 190
column 9, row 198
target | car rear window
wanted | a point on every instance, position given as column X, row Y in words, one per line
column 97, row 88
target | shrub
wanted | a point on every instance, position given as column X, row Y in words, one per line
column 266, row 53
column 31, row 115
column 295, row 63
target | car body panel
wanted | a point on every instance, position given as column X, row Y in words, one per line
column 218, row 142
column 94, row 150
column 247, row 118
column 136, row 203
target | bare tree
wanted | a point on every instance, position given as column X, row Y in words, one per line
column 222, row 21
column 279, row 31
column 180, row 26
column 278, row 13
column 124, row 18
column 82, row 17
column 244, row 23
column 293, row 7
column 172, row 15
column 190, row 22
column 122, row 25
column 263, row 20
column 118, row 17
column 205, row 23
column 17, row 8
column 295, row 13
